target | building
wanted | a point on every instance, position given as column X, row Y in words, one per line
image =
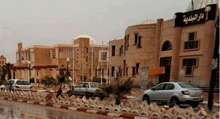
column 38, row 61
column 182, row 47
column 2, row 61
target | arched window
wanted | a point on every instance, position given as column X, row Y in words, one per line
column 167, row 46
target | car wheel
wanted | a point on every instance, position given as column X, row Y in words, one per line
column 146, row 98
column 174, row 101
column 194, row 104
column 87, row 95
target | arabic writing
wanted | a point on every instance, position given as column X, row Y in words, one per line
column 193, row 18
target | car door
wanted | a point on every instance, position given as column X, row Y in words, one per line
column 84, row 88
column 167, row 92
column 156, row 92
column 78, row 88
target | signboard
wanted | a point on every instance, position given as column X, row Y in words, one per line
column 196, row 16
column 144, row 78
column 156, row 70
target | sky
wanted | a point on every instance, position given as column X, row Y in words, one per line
column 49, row 22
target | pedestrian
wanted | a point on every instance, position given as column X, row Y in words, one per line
column 59, row 93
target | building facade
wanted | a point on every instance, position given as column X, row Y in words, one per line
column 39, row 61
column 182, row 46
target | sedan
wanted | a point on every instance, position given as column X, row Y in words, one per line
column 174, row 93
column 17, row 84
column 88, row 89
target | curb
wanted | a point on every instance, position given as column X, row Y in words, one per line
column 214, row 105
column 88, row 110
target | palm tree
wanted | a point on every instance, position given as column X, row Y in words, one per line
column 5, row 70
column 119, row 90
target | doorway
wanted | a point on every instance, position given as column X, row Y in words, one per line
column 165, row 62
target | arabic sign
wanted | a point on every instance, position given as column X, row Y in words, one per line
column 196, row 16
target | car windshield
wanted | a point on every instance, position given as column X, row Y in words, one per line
column 94, row 85
column 187, row 85
column 22, row 83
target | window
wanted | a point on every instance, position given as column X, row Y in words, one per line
column 135, row 38
column 167, row 46
column 126, row 42
column 191, row 36
column 22, row 83
column 120, row 71
column 137, row 67
column 189, row 64
column 87, row 59
column 113, row 70
column 192, row 43
column 120, row 50
column 126, row 71
column 85, row 85
column 160, row 87
column 53, row 53
column 94, row 85
column 103, row 55
column 113, row 50
column 79, row 85
column 169, row 87
column 139, row 42
column 187, row 85
column 133, row 71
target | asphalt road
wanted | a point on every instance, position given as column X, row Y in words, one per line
column 19, row 110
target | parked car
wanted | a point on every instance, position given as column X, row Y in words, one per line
column 17, row 84
column 88, row 89
column 174, row 93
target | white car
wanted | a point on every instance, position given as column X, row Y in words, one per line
column 174, row 93
column 17, row 84
column 89, row 89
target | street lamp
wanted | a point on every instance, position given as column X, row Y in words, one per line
column 67, row 60
column 29, row 64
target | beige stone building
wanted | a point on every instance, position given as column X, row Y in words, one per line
column 38, row 61
column 182, row 46
column 2, row 61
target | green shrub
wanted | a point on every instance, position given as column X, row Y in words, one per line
column 48, row 80
column 119, row 90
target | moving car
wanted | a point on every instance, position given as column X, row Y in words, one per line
column 17, row 84
column 88, row 89
column 174, row 93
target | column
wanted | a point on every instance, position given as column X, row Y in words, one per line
column 175, row 54
column 208, row 48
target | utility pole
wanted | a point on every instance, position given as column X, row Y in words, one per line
column 82, row 61
column 102, row 62
column 73, row 64
column 214, row 66
column 108, row 65
column 92, row 64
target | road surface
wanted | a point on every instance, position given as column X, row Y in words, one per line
column 19, row 110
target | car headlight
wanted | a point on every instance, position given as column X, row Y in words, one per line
column 185, row 92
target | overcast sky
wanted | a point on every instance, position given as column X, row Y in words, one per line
column 49, row 22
